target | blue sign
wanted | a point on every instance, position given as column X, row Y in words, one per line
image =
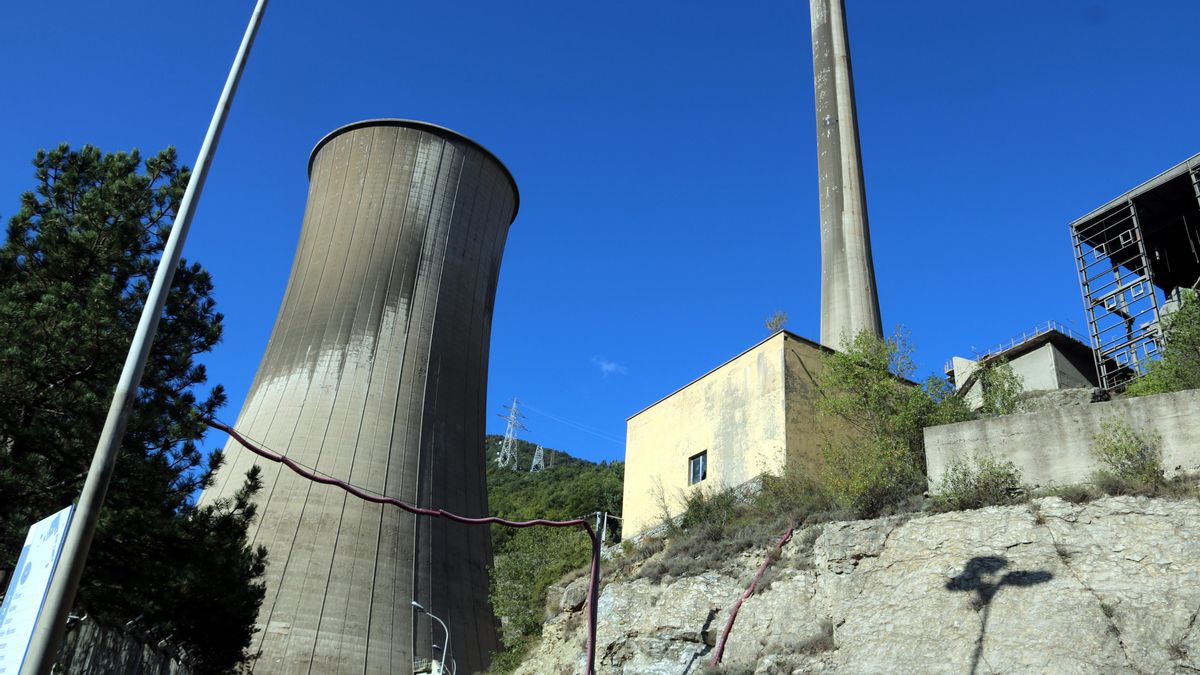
column 27, row 588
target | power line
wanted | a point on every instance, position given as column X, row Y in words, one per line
column 582, row 427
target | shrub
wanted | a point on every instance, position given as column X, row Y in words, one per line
column 1131, row 459
column 709, row 513
column 866, row 386
column 872, row 476
column 506, row 661
column 794, row 499
column 821, row 642
column 1179, row 367
column 1001, row 388
column 718, row 524
column 1075, row 494
column 533, row 559
column 984, row 481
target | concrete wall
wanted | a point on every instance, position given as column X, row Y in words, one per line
column 753, row 414
column 1073, row 371
column 1054, row 447
column 806, row 431
column 1037, row 368
column 735, row 412
column 376, row 373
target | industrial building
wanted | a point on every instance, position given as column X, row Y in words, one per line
column 376, row 373
column 1050, row 356
column 1133, row 255
column 749, row 415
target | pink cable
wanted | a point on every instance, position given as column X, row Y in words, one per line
column 439, row 513
column 716, row 659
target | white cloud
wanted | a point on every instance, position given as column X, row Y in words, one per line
column 608, row 367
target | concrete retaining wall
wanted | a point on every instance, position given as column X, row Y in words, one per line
column 1053, row 447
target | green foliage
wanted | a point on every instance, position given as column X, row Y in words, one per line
column 1179, row 367
column 708, row 513
column 528, row 560
column 568, row 488
column 1001, row 387
column 984, row 481
column 506, row 661
column 74, row 271
column 866, row 388
column 872, row 477
column 1075, row 494
column 717, row 524
column 794, row 499
column 1132, row 459
column 533, row 559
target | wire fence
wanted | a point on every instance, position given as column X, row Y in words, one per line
column 92, row 647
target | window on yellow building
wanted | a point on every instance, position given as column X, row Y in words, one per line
column 697, row 468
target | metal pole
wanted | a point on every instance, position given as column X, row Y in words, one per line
column 51, row 622
column 446, row 648
column 453, row 663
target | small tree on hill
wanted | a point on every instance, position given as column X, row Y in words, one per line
column 1179, row 367
column 74, row 272
column 776, row 321
column 880, row 462
column 1001, row 387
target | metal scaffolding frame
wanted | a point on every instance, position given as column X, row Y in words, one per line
column 1122, row 297
column 1119, row 295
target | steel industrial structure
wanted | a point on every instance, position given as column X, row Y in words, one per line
column 507, row 455
column 375, row 374
column 1133, row 255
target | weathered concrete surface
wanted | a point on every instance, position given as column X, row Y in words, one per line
column 1040, row 401
column 376, row 373
column 1046, row 368
column 1047, row 360
column 1053, row 447
column 849, row 302
column 1049, row 587
column 752, row 414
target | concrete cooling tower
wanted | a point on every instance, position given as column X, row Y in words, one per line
column 376, row 373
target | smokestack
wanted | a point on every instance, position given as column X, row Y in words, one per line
column 849, row 302
column 376, row 373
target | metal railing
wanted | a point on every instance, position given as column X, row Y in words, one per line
column 1026, row 336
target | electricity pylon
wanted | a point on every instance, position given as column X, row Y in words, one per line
column 508, row 455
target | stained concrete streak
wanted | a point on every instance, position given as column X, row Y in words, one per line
column 375, row 373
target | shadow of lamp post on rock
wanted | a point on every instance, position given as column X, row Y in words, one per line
column 983, row 576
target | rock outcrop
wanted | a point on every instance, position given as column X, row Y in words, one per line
column 1112, row 586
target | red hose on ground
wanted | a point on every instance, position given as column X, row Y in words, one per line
column 438, row 513
column 733, row 612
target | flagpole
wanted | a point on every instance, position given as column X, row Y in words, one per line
column 51, row 623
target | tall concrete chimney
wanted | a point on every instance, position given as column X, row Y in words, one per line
column 849, row 302
column 376, row 373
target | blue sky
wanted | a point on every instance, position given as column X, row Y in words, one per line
column 665, row 154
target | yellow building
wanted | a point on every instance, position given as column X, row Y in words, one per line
column 751, row 415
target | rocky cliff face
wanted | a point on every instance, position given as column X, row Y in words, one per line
column 1049, row 587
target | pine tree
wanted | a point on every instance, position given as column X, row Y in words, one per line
column 74, row 272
